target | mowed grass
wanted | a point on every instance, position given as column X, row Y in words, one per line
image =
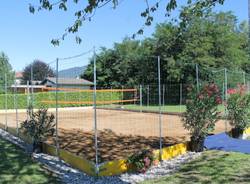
column 17, row 168
column 165, row 108
column 212, row 167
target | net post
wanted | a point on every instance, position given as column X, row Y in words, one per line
column 57, row 143
column 180, row 98
column 28, row 100
column 31, row 87
column 122, row 95
column 6, row 101
column 135, row 95
column 111, row 95
column 147, row 95
column 225, row 88
column 163, row 95
column 140, row 98
column 16, row 108
column 95, row 118
column 223, row 96
column 160, row 113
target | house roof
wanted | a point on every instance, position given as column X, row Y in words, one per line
column 67, row 81
column 19, row 75
column 25, row 86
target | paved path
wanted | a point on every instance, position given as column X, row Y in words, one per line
column 225, row 143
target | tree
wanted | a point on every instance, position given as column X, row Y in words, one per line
column 5, row 72
column 243, row 29
column 40, row 69
column 124, row 65
column 88, row 9
column 213, row 40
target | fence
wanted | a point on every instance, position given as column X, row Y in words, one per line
column 109, row 123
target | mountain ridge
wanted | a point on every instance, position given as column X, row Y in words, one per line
column 74, row 72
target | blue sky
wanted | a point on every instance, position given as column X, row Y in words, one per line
column 25, row 37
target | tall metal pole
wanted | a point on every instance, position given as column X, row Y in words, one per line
column 224, row 97
column 122, row 95
column 180, row 97
column 31, row 86
column 57, row 141
column 16, row 107
column 160, row 115
column 135, row 95
column 111, row 96
column 148, row 95
column 140, row 98
column 28, row 100
column 6, row 102
column 95, row 117
column 163, row 95
column 197, row 76
column 225, row 73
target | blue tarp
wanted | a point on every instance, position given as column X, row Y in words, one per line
column 226, row 143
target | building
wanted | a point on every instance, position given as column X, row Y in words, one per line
column 67, row 83
column 50, row 82
column 25, row 88
column 18, row 77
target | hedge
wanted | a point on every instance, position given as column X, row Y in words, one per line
column 62, row 96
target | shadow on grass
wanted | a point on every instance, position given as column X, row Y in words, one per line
column 213, row 167
column 17, row 167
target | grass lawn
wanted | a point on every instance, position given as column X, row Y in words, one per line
column 17, row 168
column 213, row 167
column 165, row 108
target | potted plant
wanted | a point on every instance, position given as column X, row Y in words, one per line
column 201, row 114
column 238, row 111
column 39, row 127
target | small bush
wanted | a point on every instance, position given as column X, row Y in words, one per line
column 201, row 114
column 39, row 127
column 141, row 161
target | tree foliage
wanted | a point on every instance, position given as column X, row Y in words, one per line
column 5, row 71
column 87, row 10
column 41, row 70
column 213, row 40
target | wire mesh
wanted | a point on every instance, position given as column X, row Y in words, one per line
column 145, row 113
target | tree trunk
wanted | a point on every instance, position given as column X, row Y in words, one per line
column 197, row 144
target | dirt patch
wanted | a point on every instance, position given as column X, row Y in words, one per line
column 111, row 146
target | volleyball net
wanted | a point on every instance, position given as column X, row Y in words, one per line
column 85, row 97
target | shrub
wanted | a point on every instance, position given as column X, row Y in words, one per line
column 201, row 114
column 141, row 160
column 238, row 107
column 39, row 127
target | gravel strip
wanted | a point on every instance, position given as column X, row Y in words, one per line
column 15, row 140
column 70, row 175
column 165, row 168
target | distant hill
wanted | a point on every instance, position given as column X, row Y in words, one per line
column 72, row 72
